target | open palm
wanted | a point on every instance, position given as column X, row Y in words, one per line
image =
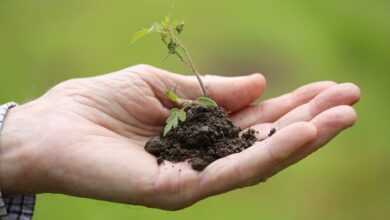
column 88, row 135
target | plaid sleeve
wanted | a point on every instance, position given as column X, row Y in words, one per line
column 19, row 207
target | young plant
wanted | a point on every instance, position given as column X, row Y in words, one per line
column 169, row 32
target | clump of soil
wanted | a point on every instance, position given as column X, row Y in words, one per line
column 206, row 135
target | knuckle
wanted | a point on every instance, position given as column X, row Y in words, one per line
column 65, row 87
column 143, row 68
column 329, row 83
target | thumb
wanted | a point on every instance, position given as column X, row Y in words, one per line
column 232, row 93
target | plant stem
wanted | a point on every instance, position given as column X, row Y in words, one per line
column 194, row 69
column 189, row 62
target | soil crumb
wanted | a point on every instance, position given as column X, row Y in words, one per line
column 206, row 135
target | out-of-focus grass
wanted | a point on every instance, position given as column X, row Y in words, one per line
column 291, row 42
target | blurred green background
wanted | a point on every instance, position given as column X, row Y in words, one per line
column 44, row 42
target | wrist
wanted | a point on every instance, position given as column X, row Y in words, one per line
column 14, row 156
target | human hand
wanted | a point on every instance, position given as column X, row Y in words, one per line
column 85, row 137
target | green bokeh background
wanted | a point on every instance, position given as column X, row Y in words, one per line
column 44, row 42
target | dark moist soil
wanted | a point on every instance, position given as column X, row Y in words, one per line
column 205, row 136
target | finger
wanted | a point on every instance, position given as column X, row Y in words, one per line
column 329, row 124
column 272, row 109
column 255, row 163
column 342, row 94
column 232, row 93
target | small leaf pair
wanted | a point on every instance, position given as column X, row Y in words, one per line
column 155, row 28
column 165, row 29
column 179, row 115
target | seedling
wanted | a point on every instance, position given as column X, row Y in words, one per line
column 169, row 32
column 197, row 131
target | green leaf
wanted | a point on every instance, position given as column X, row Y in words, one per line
column 206, row 102
column 139, row 34
column 182, row 115
column 156, row 28
column 166, row 21
column 170, row 125
column 171, row 95
column 173, row 120
column 172, row 46
column 180, row 27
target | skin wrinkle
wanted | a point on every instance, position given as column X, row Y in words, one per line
column 115, row 87
column 68, row 88
column 82, row 88
column 93, row 120
column 150, row 102
column 86, row 101
column 158, row 87
column 125, row 129
column 125, row 111
column 90, row 101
